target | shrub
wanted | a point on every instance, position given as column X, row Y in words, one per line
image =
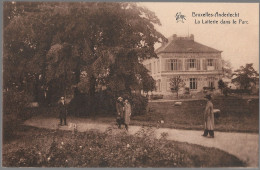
column 206, row 89
column 225, row 91
column 14, row 109
column 15, row 101
column 79, row 105
column 105, row 103
column 48, row 148
column 139, row 105
column 239, row 91
column 91, row 149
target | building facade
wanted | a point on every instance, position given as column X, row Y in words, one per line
column 198, row 65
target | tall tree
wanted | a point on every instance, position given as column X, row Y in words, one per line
column 60, row 41
column 245, row 76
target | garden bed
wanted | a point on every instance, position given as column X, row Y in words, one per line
column 54, row 148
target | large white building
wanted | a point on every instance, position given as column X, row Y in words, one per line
column 198, row 65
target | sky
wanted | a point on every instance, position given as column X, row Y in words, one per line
column 239, row 42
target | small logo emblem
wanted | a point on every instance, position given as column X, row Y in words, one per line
column 180, row 17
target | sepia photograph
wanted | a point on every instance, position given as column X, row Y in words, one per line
column 130, row 84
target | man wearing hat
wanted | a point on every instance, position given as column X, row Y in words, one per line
column 62, row 110
column 120, row 111
column 209, row 118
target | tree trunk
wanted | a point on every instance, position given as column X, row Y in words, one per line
column 127, row 85
column 36, row 92
column 91, row 94
column 77, row 72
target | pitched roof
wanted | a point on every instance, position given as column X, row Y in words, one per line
column 184, row 45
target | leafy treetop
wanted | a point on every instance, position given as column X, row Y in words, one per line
column 245, row 76
column 61, row 41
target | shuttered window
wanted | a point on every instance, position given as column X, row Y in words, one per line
column 192, row 64
column 213, row 63
column 216, row 64
column 173, row 65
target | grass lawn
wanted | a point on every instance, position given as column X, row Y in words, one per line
column 236, row 115
column 34, row 147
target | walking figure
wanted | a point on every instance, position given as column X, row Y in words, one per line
column 127, row 114
column 120, row 111
column 62, row 111
column 209, row 118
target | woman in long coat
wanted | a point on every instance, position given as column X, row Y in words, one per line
column 209, row 118
column 127, row 114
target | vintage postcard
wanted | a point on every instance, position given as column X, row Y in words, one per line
column 130, row 84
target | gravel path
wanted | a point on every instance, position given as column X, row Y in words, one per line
column 242, row 145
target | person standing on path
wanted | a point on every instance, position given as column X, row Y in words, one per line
column 209, row 118
column 120, row 111
column 127, row 114
column 62, row 110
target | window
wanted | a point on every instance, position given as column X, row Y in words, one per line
column 174, row 64
column 210, row 62
column 193, row 83
column 191, row 63
column 211, row 84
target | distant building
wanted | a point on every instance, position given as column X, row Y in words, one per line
column 198, row 65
